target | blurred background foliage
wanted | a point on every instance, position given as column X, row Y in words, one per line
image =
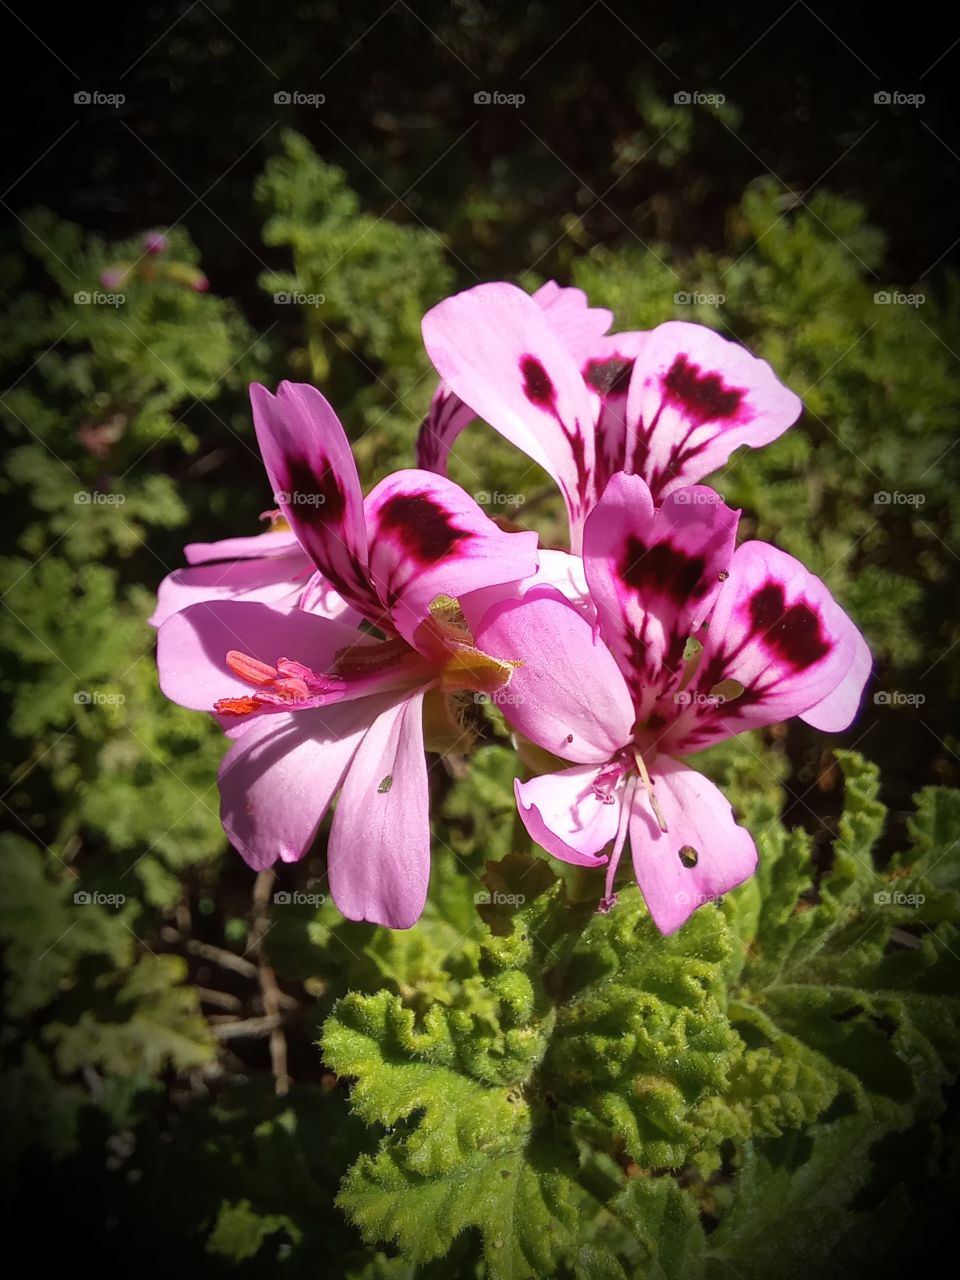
column 506, row 1092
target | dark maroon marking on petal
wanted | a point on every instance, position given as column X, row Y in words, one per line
column 609, row 377
column 308, row 480
column 578, row 449
column 704, row 396
column 793, row 632
column 424, row 528
column 540, row 391
column 637, row 657
column 641, row 450
column 537, row 386
column 664, row 569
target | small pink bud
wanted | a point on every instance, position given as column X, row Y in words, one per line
column 155, row 242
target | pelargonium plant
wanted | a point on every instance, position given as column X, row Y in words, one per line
column 333, row 649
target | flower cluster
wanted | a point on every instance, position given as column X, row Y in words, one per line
column 334, row 648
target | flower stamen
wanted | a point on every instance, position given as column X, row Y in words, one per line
column 648, row 787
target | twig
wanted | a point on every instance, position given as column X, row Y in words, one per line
column 220, row 999
column 249, row 1028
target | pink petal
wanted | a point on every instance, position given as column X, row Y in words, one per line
column 272, row 580
column 315, row 484
column 378, row 858
column 428, row 538
column 279, row 777
column 839, row 709
column 568, row 695
column 777, row 631
column 192, row 647
column 446, row 418
column 654, row 574
column 569, row 314
column 275, row 542
column 579, row 328
column 319, row 597
column 494, row 348
column 695, row 397
column 566, row 816
column 700, row 823
column 557, row 569
column 607, row 368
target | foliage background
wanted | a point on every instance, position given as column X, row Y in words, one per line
column 529, row 1092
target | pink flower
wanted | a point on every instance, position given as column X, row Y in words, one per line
column 114, row 277
column 693, row 642
column 578, row 326
column 155, row 242
column 670, row 405
column 268, row 568
column 316, row 706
